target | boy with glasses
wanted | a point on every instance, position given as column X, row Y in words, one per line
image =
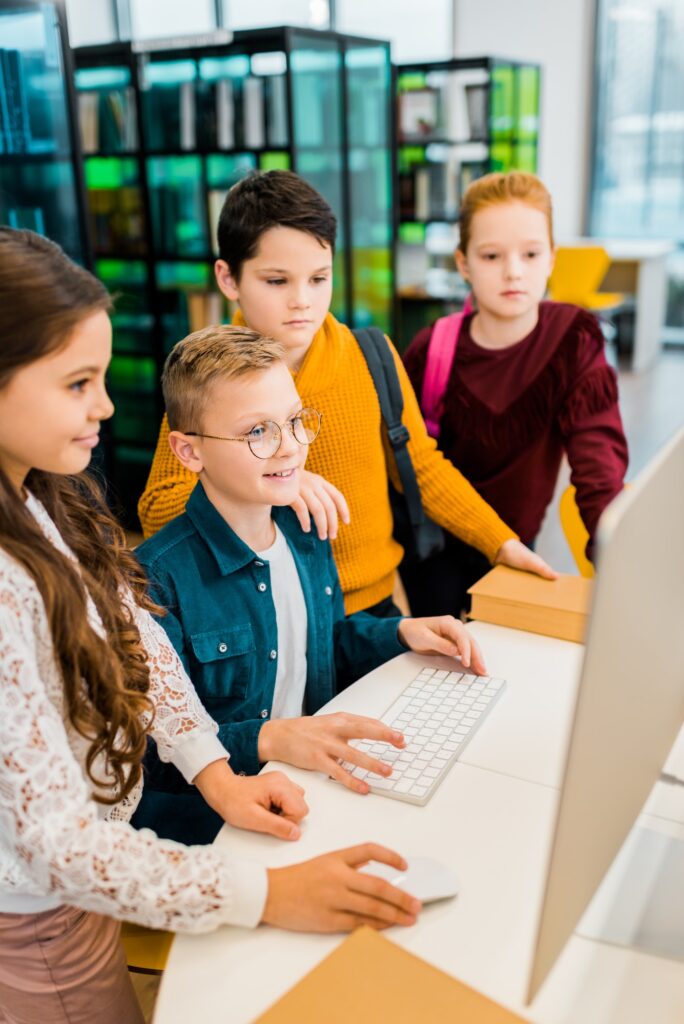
column 254, row 606
column 276, row 239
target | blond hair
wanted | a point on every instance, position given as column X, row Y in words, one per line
column 516, row 186
column 197, row 361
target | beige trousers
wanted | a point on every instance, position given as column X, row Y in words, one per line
column 64, row 966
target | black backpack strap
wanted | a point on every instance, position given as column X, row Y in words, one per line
column 378, row 356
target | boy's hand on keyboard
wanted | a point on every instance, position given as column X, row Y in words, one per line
column 321, row 742
column 330, row 894
column 321, row 501
column 442, row 634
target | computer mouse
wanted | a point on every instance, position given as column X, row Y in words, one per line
column 425, row 878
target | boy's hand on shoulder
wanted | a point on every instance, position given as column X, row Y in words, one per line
column 442, row 634
column 319, row 743
column 515, row 554
column 320, row 500
column 269, row 803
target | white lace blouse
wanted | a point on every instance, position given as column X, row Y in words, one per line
column 57, row 845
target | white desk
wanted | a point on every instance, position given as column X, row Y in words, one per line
column 492, row 820
column 638, row 268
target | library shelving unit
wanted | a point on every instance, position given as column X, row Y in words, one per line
column 456, row 120
column 167, row 128
column 41, row 185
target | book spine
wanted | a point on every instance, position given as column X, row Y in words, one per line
column 188, row 140
column 253, row 99
column 225, row 114
column 277, row 112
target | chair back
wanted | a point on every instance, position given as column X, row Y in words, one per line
column 575, row 531
column 577, row 273
column 146, row 949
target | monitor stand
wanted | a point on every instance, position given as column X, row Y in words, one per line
column 640, row 903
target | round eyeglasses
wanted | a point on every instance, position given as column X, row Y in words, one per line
column 264, row 439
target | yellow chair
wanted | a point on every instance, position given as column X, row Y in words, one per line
column 575, row 531
column 576, row 277
column 146, row 949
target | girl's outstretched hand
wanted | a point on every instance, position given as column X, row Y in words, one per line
column 442, row 634
column 330, row 894
column 514, row 553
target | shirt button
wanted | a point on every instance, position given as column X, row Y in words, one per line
column 328, row 591
column 222, row 648
column 261, row 587
column 259, row 563
column 264, row 713
column 273, row 655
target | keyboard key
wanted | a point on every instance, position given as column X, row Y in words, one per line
column 419, row 790
column 403, row 787
column 381, row 784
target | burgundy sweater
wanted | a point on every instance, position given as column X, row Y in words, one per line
column 509, row 414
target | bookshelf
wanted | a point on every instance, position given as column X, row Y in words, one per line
column 41, row 185
column 456, row 120
column 166, row 130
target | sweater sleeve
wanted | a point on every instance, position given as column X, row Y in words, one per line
column 51, row 831
column 592, row 430
column 168, row 488
column 447, row 496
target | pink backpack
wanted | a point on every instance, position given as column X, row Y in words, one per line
column 440, row 359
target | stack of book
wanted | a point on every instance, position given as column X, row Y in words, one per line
column 108, row 121
column 508, row 597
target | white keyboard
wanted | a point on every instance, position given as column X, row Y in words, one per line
column 437, row 712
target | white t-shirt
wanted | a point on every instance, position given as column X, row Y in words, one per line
column 291, row 620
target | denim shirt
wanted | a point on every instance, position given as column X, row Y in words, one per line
column 221, row 620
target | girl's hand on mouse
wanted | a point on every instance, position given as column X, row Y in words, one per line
column 517, row 556
column 442, row 634
column 319, row 743
column 330, row 894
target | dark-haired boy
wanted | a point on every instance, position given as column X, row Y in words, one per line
column 276, row 241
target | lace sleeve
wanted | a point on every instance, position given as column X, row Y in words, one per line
column 185, row 734
column 49, row 824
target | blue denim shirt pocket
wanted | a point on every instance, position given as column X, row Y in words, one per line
column 226, row 659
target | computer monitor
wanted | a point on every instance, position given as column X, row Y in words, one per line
column 630, row 700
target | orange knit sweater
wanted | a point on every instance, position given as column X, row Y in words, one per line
column 351, row 453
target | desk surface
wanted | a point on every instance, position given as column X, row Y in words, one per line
column 491, row 819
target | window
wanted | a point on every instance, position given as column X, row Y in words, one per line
column 639, row 152
column 417, row 31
